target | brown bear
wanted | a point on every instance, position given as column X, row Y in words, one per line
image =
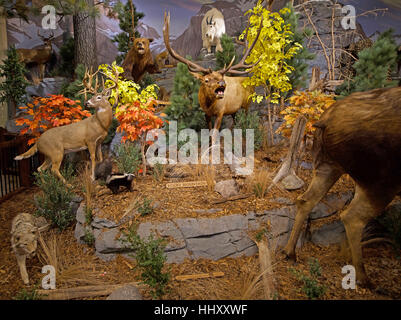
column 139, row 60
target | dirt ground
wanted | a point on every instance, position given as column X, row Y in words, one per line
column 79, row 265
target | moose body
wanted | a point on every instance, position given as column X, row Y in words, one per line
column 361, row 136
column 213, row 28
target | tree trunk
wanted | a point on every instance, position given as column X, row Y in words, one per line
column 3, row 48
column 85, row 37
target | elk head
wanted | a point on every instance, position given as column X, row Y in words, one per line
column 212, row 82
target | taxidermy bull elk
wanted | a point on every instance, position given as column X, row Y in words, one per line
column 86, row 134
column 39, row 56
column 218, row 95
column 361, row 136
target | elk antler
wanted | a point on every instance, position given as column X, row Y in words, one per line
column 193, row 67
column 242, row 65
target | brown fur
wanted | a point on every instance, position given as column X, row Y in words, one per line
column 139, row 60
column 361, row 136
column 235, row 96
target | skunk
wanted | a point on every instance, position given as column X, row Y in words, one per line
column 115, row 180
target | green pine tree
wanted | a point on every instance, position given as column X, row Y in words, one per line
column 374, row 67
column 224, row 58
column 299, row 76
column 123, row 38
column 184, row 106
column 12, row 90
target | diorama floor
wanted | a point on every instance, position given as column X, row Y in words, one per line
column 78, row 264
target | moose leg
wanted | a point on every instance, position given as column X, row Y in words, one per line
column 324, row 178
column 21, row 260
column 361, row 210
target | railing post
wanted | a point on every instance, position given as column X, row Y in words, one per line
column 24, row 165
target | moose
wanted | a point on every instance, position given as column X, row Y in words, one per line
column 218, row 94
column 38, row 56
column 87, row 134
column 361, row 136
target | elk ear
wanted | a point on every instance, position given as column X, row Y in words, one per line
column 150, row 40
column 196, row 75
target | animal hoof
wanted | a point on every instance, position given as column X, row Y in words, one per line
column 284, row 255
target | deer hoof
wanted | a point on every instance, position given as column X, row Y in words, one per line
column 288, row 256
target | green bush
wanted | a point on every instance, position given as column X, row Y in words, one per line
column 311, row 285
column 67, row 53
column 184, row 106
column 151, row 259
column 128, row 158
column 224, row 58
column 54, row 202
column 145, row 207
column 28, row 294
column 250, row 120
column 71, row 89
column 391, row 220
column 89, row 237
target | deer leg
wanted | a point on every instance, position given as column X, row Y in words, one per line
column 92, row 152
column 324, row 178
column 21, row 260
column 56, row 164
column 361, row 210
column 45, row 165
column 99, row 152
column 42, row 68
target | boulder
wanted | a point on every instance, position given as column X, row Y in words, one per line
column 226, row 188
column 292, row 182
column 128, row 292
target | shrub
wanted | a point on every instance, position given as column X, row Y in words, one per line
column 128, row 158
column 250, row 120
column 54, row 202
column 224, row 58
column 391, row 220
column 151, row 259
column 184, row 106
column 311, row 286
column 71, row 89
column 28, row 294
column 67, row 57
column 158, row 172
column 89, row 237
column 145, row 208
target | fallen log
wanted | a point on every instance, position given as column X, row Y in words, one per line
column 200, row 276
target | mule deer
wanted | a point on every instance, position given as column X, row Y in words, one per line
column 86, row 134
column 39, row 56
column 361, row 136
column 218, row 95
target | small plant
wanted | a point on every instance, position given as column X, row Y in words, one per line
column 391, row 220
column 311, row 286
column 128, row 158
column 54, row 202
column 12, row 90
column 151, row 259
column 311, row 105
column 88, row 215
column 89, row 237
column 158, row 172
column 259, row 236
column 28, row 294
column 250, row 120
column 259, row 183
column 145, row 208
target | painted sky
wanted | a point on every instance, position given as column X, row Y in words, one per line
column 183, row 10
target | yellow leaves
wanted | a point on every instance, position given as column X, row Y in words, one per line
column 309, row 104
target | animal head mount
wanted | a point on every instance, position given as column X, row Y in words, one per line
column 99, row 99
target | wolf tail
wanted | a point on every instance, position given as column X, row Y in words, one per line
column 28, row 154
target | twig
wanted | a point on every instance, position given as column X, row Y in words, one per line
column 234, row 198
column 200, row 276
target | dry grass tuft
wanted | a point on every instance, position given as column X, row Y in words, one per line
column 258, row 183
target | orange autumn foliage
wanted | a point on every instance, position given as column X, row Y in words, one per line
column 311, row 105
column 137, row 119
column 46, row 113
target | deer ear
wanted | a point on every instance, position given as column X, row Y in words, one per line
column 107, row 93
column 197, row 75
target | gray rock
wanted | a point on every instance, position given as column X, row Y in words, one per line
column 80, row 215
column 227, row 188
column 128, row 292
column 107, row 242
column 282, row 200
column 214, row 247
column 100, row 223
column 46, row 88
column 79, row 233
column 292, row 182
column 177, row 256
column 200, row 211
column 106, row 257
column 332, row 233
